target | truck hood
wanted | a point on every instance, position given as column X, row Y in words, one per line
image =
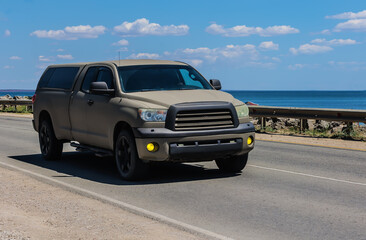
column 155, row 99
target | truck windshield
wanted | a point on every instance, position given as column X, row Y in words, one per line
column 160, row 78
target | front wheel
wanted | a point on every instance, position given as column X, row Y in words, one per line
column 233, row 164
column 51, row 147
column 129, row 165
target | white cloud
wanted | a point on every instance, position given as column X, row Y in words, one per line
column 60, row 50
column 7, row 33
column 194, row 62
column 8, row 67
column 122, row 42
column 348, row 15
column 234, row 55
column 142, row 27
column 71, row 33
column 358, row 25
column 310, row 49
column 325, row 32
column 243, row 30
column 296, row 66
column 15, row 58
column 227, row 52
column 144, row 56
column 44, row 59
column 66, row 56
column 334, row 42
column 268, row 46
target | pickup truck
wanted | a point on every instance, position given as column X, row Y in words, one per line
column 139, row 111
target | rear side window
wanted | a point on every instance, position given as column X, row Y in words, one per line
column 46, row 78
column 62, row 78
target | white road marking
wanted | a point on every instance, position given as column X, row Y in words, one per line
column 126, row 206
column 308, row 175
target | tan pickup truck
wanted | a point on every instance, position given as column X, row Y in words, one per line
column 141, row 111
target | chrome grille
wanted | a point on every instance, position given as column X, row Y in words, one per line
column 203, row 119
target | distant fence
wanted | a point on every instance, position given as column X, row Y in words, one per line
column 340, row 115
column 15, row 103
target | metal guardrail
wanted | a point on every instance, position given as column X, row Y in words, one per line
column 4, row 102
column 340, row 115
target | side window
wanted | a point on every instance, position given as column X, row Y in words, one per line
column 190, row 79
column 63, row 78
column 90, row 77
column 45, row 78
column 105, row 75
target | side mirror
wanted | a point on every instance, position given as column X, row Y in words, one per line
column 100, row 88
column 215, row 83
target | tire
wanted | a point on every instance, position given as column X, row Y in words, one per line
column 129, row 165
column 51, row 148
column 232, row 165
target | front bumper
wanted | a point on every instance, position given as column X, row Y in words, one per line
column 194, row 145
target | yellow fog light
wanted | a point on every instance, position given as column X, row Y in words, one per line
column 152, row 147
column 250, row 140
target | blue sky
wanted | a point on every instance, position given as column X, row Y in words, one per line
column 248, row 45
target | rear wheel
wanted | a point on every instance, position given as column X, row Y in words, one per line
column 51, row 147
column 233, row 164
column 129, row 165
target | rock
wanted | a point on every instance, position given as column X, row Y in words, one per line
column 19, row 98
column 289, row 122
column 336, row 129
column 6, row 97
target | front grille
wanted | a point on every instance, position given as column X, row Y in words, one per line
column 203, row 119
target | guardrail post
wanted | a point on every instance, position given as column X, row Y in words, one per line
column 263, row 123
column 301, row 125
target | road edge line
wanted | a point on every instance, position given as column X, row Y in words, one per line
column 124, row 206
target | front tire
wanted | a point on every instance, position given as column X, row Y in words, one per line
column 129, row 165
column 51, row 147
column 233, row 164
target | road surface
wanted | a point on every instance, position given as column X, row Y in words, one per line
column 287, row 191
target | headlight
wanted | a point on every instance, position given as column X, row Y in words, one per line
column 153, row 115
column 242, row 111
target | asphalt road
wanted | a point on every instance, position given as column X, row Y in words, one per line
column 287, row 191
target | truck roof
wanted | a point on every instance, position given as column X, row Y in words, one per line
column 124, row 62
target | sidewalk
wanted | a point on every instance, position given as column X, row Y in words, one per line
column 31, row 209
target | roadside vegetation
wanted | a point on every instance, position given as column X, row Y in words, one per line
column 16, row 109
column 316, row 129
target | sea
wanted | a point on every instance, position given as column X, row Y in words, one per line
column 306, row 99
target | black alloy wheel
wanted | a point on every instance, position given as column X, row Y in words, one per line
column 51, row 147
column 129, row 165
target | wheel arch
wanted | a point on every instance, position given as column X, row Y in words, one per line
column 121, row 125
column 44, row 115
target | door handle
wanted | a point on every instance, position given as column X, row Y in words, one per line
column 90, row 102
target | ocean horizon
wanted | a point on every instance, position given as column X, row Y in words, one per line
column 338, row 99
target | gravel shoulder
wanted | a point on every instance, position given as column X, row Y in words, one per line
column 21, row 115
column 307, row 140
column 34, row 210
